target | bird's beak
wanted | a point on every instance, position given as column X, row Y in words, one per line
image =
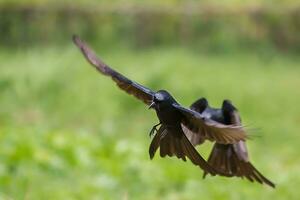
column 151, row 105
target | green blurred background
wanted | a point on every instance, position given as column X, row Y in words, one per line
column 67, row 132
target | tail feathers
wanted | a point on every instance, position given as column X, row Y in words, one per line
column 179, row 146
column 224, row 159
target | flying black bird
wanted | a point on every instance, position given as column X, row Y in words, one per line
column 170, row 137
column 230, row 159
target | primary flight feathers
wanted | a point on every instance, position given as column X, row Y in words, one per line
column 210, row 129
column 124, row 83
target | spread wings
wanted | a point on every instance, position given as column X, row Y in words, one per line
column 142, row 93
column 210, row 129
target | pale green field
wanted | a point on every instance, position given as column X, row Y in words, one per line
column 67, row 132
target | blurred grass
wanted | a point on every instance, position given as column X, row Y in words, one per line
column 68, row 133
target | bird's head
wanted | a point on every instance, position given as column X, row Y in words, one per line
column 162, row 98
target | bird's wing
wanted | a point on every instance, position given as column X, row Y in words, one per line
column 194, row 138
column 129, row 86
column 199, row 106
column 210, row 129
column 241, row 151
column 240, row 148
column 234, row 118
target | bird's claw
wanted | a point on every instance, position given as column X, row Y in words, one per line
column 153, row 130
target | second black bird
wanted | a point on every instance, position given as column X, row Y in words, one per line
column 230, row 159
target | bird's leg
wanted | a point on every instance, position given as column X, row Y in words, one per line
column 153, row 130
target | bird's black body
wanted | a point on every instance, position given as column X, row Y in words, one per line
column 170, row 137
column 231, row 159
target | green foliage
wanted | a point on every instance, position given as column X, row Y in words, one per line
column 68, row 133
column 206, row 25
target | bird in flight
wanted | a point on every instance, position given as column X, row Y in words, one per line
column 173, row 118
column 229, row 159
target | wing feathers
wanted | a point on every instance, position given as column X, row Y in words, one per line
column 209, row 129
column 124, row 83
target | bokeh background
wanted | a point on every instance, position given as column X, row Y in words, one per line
column 67, row 132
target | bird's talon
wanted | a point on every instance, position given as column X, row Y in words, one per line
column 153, row 130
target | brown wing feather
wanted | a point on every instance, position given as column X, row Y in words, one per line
column 124, row 83
column 195, row 139
column 209, row 129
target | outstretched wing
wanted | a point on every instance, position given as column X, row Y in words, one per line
column 210, row 129
column 199, row 106
column 129, row 86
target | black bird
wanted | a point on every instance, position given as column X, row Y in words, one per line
column 229, row 159
column 170, row 137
